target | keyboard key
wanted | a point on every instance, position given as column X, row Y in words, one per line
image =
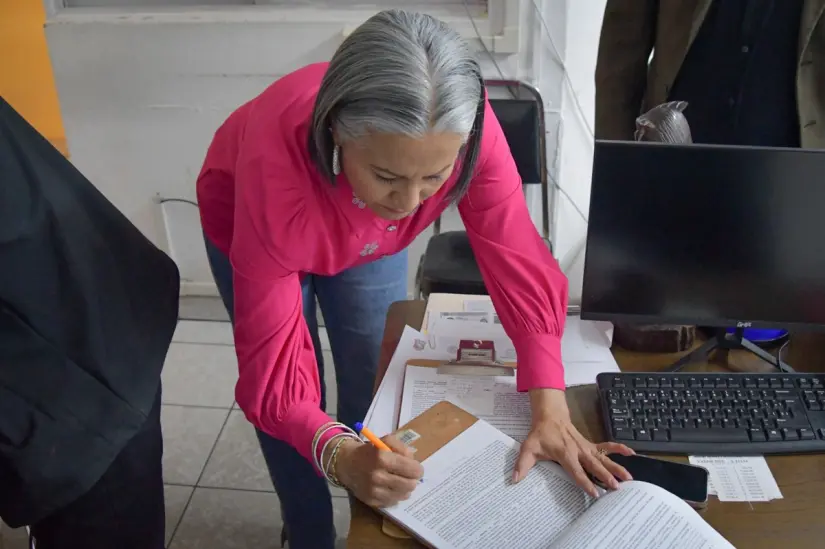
column 792, row 423
column 642, row 434
column 709, row 435
column 773, row 435
column 659, row 435
column 806, row 434
column 789, row 434
column 620, row 433
column 757, row 435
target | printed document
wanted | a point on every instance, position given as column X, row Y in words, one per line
column 468, row 501
column 491, row 398
column 382, row 416
column 739, row 478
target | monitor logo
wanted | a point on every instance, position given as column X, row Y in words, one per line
column 744, row 324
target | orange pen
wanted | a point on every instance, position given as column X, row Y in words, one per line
column 377, row 442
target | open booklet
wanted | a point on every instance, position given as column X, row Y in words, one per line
column 468, row 501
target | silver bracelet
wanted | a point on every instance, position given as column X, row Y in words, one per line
column 318, row 436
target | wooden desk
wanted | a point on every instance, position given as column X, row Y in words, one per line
column 795, row 521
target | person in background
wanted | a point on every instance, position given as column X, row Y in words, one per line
column 313, row 190
column 88, row 307
column 751, row 71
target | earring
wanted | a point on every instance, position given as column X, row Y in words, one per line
column 336, row 160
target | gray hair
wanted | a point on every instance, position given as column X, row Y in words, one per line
column 401, row 73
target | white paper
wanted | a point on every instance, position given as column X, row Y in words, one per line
column 739, row 478
column 480, row 305
column 491, row 398
column 585, row 340
column 382, row 416
column 585, row 346
column 468, row 500
column 582, row 341
column 461, row 316
column 437, row 303
column 641, row 516
column 449, row 333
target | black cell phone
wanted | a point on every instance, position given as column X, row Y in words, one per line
column 685, row 481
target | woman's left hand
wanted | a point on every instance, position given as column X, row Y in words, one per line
column 554, row 437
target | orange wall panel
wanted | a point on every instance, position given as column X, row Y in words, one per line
column 26, row 79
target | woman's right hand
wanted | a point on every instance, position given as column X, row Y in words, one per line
column 377, row 477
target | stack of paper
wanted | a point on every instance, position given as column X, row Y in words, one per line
column 407, row 391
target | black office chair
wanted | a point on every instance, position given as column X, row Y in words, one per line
column 448, row 264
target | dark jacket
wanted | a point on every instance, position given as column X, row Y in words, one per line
column 88, row 307
column 626, row 85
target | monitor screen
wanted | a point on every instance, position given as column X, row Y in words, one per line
column 706, row 235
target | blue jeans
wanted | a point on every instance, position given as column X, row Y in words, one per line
column 354, row 304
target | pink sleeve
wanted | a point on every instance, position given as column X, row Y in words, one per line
column 527, row 287
column 278, row 388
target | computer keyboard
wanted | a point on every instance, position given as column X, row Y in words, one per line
column 715, row 414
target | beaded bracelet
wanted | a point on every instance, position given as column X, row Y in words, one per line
column 327, row 444
column 329, row 472
column 338, row 439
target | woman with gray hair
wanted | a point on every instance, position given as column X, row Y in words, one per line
column 313, row 190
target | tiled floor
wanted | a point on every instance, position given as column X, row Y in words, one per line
column 218, row 492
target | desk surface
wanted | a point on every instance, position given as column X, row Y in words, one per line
column 795, row 521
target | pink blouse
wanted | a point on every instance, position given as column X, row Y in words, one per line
column 265, row 205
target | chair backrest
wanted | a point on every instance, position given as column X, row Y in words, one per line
column 520, row 121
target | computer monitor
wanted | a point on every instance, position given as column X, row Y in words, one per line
column 707, row 235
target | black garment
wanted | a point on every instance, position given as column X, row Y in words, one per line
column 124, row 509
column 87, row 310
column 739, row 76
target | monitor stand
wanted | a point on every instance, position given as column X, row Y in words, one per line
column 727, row 341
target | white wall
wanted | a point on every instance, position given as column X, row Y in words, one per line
column 142, row 92
column 583, row 21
